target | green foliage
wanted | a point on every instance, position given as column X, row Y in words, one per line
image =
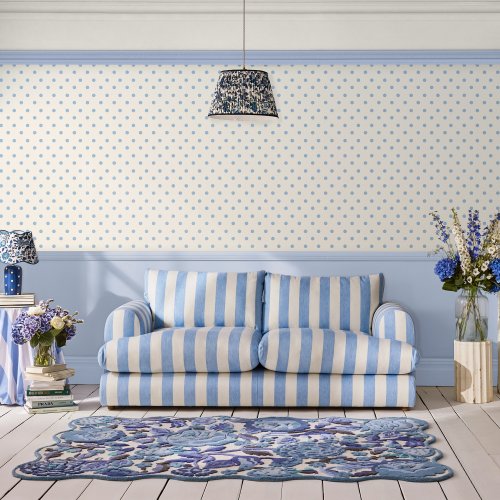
column 61, row 340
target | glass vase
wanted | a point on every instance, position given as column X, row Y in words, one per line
column 44, row 355
column 471, row 314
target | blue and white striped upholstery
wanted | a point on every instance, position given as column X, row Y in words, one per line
column 179, row 298
column 313, row 350
column 197, row 342
column 258, row 388
column 338, row 303
column 205, row 349
column 130, row 320
column 391, row 321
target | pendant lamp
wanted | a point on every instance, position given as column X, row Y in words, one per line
column 241, row 92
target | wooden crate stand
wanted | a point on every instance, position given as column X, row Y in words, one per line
column 473, row 372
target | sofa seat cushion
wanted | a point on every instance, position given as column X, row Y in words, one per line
column 315, row 350
column 170, row 350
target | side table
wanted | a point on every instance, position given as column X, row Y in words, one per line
column 13, row 359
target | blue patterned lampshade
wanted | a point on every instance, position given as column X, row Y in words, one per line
column 15, row 247
column 243, row 92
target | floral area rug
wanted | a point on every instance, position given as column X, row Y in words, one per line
column 263, row 449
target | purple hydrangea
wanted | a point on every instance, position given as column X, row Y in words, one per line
column 25, row 327
column 70, row 332
column 445, row 268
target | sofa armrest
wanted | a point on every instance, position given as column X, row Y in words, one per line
column 391, row 321
column 129, row 320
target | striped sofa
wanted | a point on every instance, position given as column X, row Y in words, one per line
column 258, row 339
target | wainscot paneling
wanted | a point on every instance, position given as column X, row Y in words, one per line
column 94, row 283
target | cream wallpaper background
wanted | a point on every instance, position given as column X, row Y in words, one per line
column 124, row 157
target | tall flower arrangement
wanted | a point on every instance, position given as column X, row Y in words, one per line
column 42, row 326
column 471, row 262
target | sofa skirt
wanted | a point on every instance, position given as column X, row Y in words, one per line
column 259, row 388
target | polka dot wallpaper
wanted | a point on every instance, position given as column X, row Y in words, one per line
column 124, row 157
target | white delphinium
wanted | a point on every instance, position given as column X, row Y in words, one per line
column 463, row 253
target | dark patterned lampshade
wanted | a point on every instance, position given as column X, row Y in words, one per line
column 243, row 92
column 17, row 246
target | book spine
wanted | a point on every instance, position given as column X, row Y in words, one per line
column 48, row 377
column 51, row 410
column 45, row 369
column 52, row 397
column 56, row 392
column 49, row 404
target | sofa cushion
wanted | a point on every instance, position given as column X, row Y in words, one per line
column 207, row 349
column 339, row 303
column 179, row 298
column 314, row 350
column 256, row 388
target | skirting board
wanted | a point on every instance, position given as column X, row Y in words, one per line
column 430, row 371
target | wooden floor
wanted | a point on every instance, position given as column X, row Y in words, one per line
column 468, row 436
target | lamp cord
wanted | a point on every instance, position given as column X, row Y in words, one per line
column 244, row 48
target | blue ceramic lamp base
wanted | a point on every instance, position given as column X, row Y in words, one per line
column 12, row 280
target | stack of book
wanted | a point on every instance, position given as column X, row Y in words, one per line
column 22, row 300
column 47, row 390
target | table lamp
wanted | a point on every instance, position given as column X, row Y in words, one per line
column 15, row 247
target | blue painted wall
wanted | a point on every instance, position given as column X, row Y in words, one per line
column 94, row 283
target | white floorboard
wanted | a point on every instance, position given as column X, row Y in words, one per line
column 8, row 483
column 479, row 466
column 459, row 486
column 254, row 490
column 467, row 435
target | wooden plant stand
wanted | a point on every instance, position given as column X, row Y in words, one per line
column 473, row 372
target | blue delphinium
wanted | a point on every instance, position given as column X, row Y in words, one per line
column 473, row 234
column 495, row 269
column 445, row 268
column 442, row 230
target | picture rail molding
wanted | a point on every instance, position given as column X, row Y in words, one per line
column 231, row 57
column 225, row 256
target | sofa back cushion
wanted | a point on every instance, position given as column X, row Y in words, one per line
column 338, row 303
column 189, row 299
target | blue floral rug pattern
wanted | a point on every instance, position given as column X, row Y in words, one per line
column 264, row 449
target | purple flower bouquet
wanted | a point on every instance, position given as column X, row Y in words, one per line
column 43, row 326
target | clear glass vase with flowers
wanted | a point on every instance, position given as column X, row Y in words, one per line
column 46, row 328
column 471, row 264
